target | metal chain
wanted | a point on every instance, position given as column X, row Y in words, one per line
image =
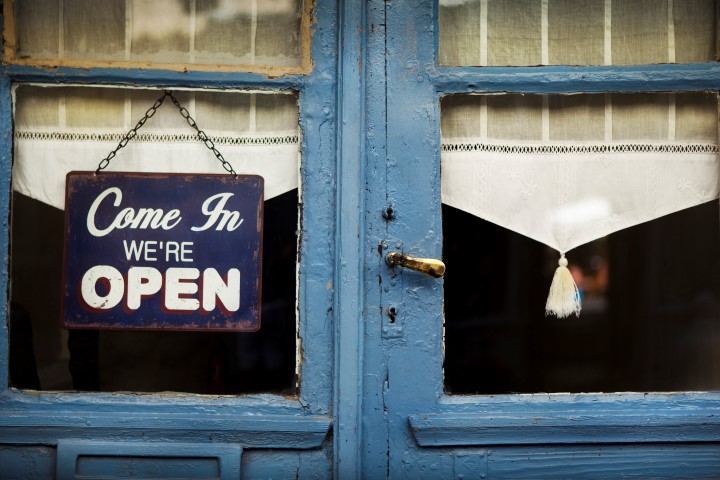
column 202, row 136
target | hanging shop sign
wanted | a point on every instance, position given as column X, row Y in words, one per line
column 163, row 251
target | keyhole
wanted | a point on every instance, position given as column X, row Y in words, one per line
column 388, row 213
column 392, row 313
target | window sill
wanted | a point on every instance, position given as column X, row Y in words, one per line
column 570, row 419
column 262, row 421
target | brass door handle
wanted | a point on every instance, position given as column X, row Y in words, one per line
column 428, row 266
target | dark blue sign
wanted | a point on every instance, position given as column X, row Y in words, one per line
column 163, row 251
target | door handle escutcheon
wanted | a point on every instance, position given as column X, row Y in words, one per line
column 428, row 266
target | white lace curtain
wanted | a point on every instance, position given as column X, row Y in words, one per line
column 568, row 169
column 61, row 129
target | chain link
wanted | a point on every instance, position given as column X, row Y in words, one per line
column 202, row 136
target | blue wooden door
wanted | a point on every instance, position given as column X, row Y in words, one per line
column 411, row 425
column 77, row 431
column 371, row 400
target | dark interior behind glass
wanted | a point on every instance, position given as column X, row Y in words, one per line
column 650, row 318
column 146, row 361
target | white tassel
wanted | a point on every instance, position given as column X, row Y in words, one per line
column 564, row 297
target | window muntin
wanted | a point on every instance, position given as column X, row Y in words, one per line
column 570, row 32
column 650, row 318
column 250, row 35
column 59, row 129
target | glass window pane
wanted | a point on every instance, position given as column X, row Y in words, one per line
column 514, row 117
column 67, row 124
column 640, row 116
column 90, row 108
column 160, row 31
column 462, row 116
column 40, row 34
column 650, row 319
column 696, row 118
column 683, row 116
column 93, row 32
column 226, row 35
column 514, row 32
column 209, row 32
column 460, row 33
column 576, row 32
column 695, row 31
column 639, row 32
column 278, row 26
column 577, row 117
column 566, row 32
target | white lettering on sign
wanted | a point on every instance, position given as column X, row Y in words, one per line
column 181, row 251
column 146, row 249
column 180, row 284
column 128, row 217
column 154, row 218
column 142, row 282
column 180, row 289
column 114, row 283
column 219, row 215
column 215, row 288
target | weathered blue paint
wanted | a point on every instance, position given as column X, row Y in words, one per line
column 555, row 462
column 26, row 463
column 271, row 464
column 418, row 416
column 414, row 361
column 483, row 429
column 317, row 237
column 258, row 422
column 374, row 446
column 155, row 77
column 103, row 459
column 384, row 388
column 348, row 401
column 6, row 110
column 279, row 429
column 649, row 78
column 642, row 460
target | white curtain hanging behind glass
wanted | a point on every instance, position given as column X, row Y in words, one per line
column 566, row 170
column 61, row 129
column 576, row 32
column 212, row 32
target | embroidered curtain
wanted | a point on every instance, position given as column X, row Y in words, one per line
column 566, row 170
column 60, row 129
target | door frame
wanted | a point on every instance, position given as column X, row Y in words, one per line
column 350, row 366
column 75, row 420
column 423, row 430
